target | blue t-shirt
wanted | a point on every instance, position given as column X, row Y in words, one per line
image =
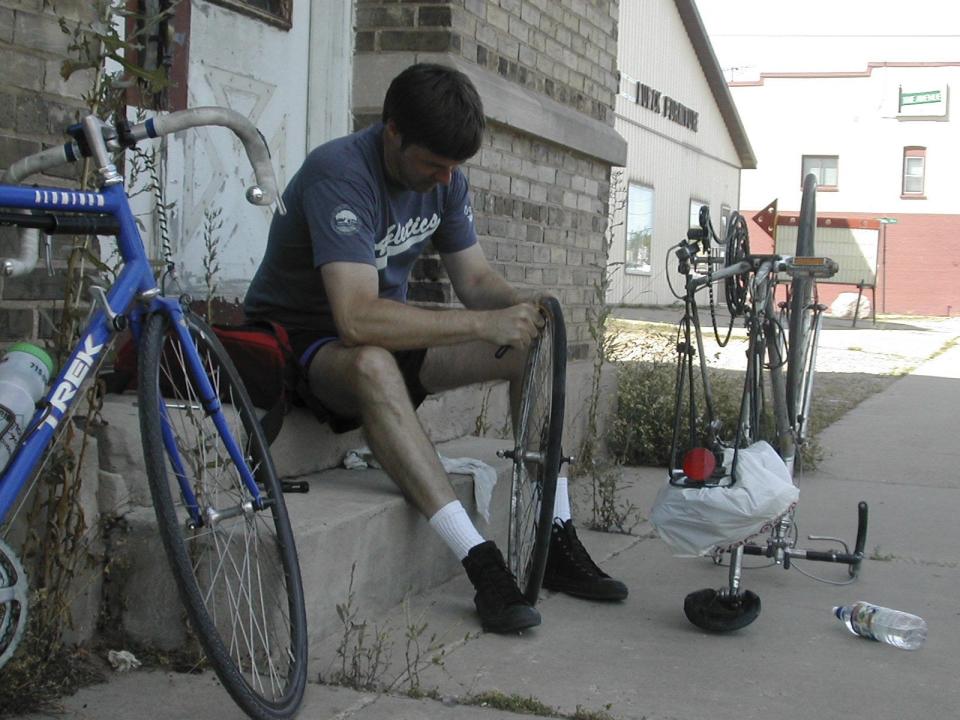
column 341, row 207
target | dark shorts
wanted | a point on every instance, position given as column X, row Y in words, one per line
column 306, row 343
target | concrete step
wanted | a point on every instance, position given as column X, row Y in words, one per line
column 304, row 445
column 352, row 523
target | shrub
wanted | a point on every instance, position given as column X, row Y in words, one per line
column 641, row 431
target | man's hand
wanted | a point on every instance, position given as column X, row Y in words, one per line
column 515, row 326
column 535, row 297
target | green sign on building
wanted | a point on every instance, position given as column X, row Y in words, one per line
column 929, row 97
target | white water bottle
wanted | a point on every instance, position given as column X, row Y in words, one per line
column 900, row 629
column 24, row 374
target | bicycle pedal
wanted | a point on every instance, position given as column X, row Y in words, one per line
column 294, row 486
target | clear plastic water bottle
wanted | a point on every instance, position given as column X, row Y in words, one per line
column 24, row 374
column 900, row 629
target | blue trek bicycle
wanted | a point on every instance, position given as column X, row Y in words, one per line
column 219, row 504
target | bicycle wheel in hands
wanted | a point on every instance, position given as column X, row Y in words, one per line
column 235, row 564
column 537, row 455
column 800, row 358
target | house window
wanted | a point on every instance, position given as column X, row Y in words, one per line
column 275, row 12
column 639, row 228
column 724, row 219
column 914, row 167
column 825, row 167
column 628, row 87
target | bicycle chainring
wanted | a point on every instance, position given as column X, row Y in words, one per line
column 14, row 591
column 736, row 249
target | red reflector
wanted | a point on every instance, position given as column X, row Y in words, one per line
column 699, row 464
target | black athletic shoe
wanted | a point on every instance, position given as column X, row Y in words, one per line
column 500, row 604
column 570, row 568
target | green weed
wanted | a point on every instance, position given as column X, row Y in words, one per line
column 882, row 557
column 511, row 703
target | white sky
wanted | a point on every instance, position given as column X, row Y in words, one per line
column 753, row 36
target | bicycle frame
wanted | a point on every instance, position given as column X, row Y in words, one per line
column 132, row 296
column 761, row 324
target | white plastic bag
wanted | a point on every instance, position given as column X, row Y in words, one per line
column 694, row 521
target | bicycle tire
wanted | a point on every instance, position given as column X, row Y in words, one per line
column 238, row 576
column 537, row 454
column 802, row 294
column 752, row 402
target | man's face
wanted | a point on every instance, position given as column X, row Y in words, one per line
column 414, row 167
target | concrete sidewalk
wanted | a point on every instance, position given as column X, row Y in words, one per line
column 642, row 659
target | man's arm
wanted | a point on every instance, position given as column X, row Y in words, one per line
column 479, row 286
column 363, row 318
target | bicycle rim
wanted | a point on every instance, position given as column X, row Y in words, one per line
column 799, row 369
column 537, row 457
column 237, row 574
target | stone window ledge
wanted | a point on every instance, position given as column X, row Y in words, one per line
column 504, row 102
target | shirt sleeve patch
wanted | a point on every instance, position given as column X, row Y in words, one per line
column 344, row 220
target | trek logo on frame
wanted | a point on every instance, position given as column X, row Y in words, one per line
column 76, row 373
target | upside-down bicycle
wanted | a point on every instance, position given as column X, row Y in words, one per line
column 218, row 501
column 781, row 353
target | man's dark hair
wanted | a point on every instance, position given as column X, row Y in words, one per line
column 438, row 108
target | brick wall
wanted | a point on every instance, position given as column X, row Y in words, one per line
column 541, row 212
column 36, row 104
column 541, row 206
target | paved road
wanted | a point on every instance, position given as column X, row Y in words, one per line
column 642, row 659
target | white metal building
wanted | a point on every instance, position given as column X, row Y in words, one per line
column 686, row 144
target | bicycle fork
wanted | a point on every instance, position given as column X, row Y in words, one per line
column 211, row 406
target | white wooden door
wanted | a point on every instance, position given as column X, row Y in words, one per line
column 269, row 75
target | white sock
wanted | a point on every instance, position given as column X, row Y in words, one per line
column 455, row 527
column 561, row 503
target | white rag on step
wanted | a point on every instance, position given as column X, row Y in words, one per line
column 484, row 476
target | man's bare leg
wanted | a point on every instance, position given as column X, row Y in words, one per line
column 569, row 566
column 446, row 368
column 365, row 382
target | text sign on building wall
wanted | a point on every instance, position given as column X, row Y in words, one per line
column 923, row 101
column 668, row 107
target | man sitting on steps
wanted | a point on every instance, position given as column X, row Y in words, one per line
column 360, row 211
